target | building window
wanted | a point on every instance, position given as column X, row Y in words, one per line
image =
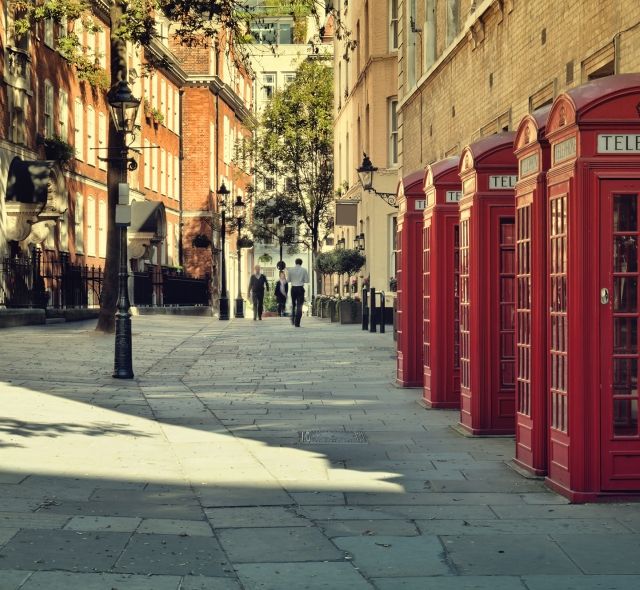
column 394, row 250
column 91, row 45
column 393, row 132
column 227, row 140
column 453, row 19
column 102, row 229
column 163, row 168
column 102, row 140
column 430, row 34
column 78, row 118
column 393, row 25
column 170, row 176
column 176, row 178
column 269, row 183
column 91, row 227
column 48, row 32
column 18, row 118
column 91, row 136
column 79, row 223
column 63, row 115
column 176, row 111
column 48, row 109
column 288, row 77
column 411, row 43
column 169, row 119
column 602, row 63
column 102, row 49
column 170, row 244
column 154, row 168
column 163, row 98
column 268, row 86
column 63, row 232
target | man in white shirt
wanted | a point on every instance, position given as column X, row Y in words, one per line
column 298, row 277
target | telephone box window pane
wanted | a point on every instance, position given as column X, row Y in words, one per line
column 507, row 232
column 625, row 335
column 625, row 213
column 625, row 377
column 625, row 254
column 625, row 417
column 625, row 294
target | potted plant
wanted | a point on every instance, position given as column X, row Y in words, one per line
column 56, row 148
column 350, row 311
column 393, row 284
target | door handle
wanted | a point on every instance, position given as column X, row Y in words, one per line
column 604, row 296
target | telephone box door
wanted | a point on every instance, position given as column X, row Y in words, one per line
column 619, row 304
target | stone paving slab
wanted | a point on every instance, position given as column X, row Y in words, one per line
column 115, row 524
column 63, row 550
column 251, row 516
column 69, row 581
column 389, row 557
column 356, row 528
column 486, row 555
column 286, row 544
column 173, row 555
column 543, row 582
column 453, row 583
column 603, row 553
column 12, row 579
column 301, row 576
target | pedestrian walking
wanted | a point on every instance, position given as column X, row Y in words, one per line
column 298, row 277
column 257, row 284
column 281, row 292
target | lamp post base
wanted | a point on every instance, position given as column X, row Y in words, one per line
column 239, row 311
column 123, row 367
column 223, row 303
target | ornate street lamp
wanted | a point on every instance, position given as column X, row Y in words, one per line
column 340, row 244
column 238, row 212
column 124, row 109
column 366, row 172
column 223, row 301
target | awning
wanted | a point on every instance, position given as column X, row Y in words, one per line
column 148, row 217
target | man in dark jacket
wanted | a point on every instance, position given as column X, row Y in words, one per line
column 257, row 284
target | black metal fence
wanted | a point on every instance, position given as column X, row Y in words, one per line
column 40, row 281
column 34, row 281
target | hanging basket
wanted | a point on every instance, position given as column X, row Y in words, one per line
column 245, row 242
column 201, row 241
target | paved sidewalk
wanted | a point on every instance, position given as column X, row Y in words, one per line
column 194, row 476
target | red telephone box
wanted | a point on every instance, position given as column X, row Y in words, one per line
column 532, row 151
column 593, row 199
column 441, row 293
column 411, row 205
column 488, row 170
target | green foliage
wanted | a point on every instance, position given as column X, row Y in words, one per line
column 326, row 263
column 265, row 259
column 56, row 148
column 348, row 262
column 294, row 141
column 270, row 303
column 268, row 211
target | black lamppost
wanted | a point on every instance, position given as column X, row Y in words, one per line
column 366, row 172
column 124, row 109
column 238, row 213
column 280, row 232
column 223, row 301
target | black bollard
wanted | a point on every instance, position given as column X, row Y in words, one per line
column 365, row 310
column 382, row 314
column 372, row 309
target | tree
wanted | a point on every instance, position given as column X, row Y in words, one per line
column 268, row 214
column 293, row 143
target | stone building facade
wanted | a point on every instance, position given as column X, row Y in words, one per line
column 469, row 68
column 365, row 121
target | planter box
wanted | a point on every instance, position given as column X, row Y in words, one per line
column 350, row 312
column 334, row 311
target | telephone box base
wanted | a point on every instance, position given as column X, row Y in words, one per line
column 584, row 497
column 438, row 405
column 526, row 470
column 467, row 431
column 408, row 384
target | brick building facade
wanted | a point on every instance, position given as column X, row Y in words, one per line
column 61, row 208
